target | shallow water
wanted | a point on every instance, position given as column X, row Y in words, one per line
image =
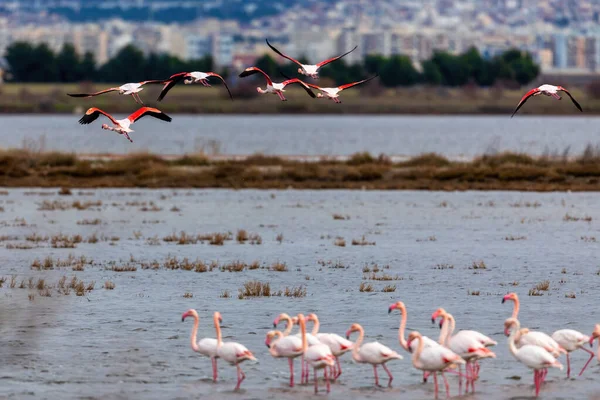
column 452, row 136
column 130, row 342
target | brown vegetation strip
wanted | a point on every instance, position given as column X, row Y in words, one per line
column 507, row 171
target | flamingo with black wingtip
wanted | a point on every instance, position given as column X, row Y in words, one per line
column 121, row 126
column 548, row 90
column 276, row 88
column 127, row 89
column 307, row 69
column 334, row 93
column 189, row 78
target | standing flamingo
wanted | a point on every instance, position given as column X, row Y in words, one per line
column 127, row 89
column 284, row 346
column 433, row 359
column 318, row 356
column 532, row 356
column 426, row 341
column 571, row 340
column 548, row 90
column 232, row 352
column 373, row 353
column 307, row 69
column 189, row 78
column 466, row 344
column 276, row 88
column 121, row 126
column 337, row 344
column 207, row 346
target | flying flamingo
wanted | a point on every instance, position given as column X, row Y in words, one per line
column 548, row 90
column 532, row 356
column 433, row 359
column 334, row 93
column 337, row 344
column 427, row 342
column 189, row 78
column 207, row 346
column 232, row 352
column 284, row 346
column 276, row 88
column 122, row 125
column 373, row 353
column 318, row 356
column 127, row 89
column 467, row 344
column 306, row 69
column 571, row 340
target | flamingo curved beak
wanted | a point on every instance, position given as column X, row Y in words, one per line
column 348, row 334
column 441, row 324
column 503, row 300
column 391, row 308
column 185, row 314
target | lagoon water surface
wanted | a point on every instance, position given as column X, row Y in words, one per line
column 129, row 342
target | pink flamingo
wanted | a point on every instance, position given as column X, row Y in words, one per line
column 427, row 342
column 433, row 359
column 121, row 126
column 571, row 340
column 337, row 344
column 532, row 356
column 189, row 78
column 548, row 90
column 284, row 346
column 127, row 89
column 232, row 352
column 373, row 353
column 596, row 335
column 207, row 346
column 333, row 93
column 318, row 356
column 276, row 88
column 466, row 344
column 307, row 69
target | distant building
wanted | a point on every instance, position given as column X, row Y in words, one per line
column 219, row 46
column 560, row 51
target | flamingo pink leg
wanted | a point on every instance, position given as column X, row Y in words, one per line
column 241, row 377
column 568, row 366
column 435, row 384
column 339, row 368
column 327, row 381
column 127, row 136
column 537, row 381
column 316, row 381
column 291, row 363
column 389, row 375
column 376, row 377
column 446, row 384
column 214, row 367
column 281, row 96
column 588, row 361
column 557, row 97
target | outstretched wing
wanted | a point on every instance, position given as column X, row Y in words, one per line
column 312, row 85
column 255, row 70
column 524, row 99
column 283, row 55
column 154, row 112
column 92, row 114
column 571, row 97
column 169, row 83
column 153, row 81
column 349, row 85
column 323, row 63
column 299, row 82
column 93, row 94
column 222, row 80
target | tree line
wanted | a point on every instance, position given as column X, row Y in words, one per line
column 38, row 63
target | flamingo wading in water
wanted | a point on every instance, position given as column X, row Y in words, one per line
column 232, row 352
column 337, row 344
column 373, row 353
column 276, row 88
column 548, row 90
column 207, row 346
column 318, row 356
column 284, row 346
column 121, row 126
column 571, row 340
column 307, row 69
column 433, row 359
column 189, row 78
column 532, row 356
column 127, row 89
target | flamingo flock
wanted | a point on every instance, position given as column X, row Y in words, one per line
column 276, row 88
column 446, row 355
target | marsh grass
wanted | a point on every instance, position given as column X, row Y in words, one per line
column 383, row 277
column 241, row 236
column 2, row 280
column 543, row 286
column 279, row 267
column 339, row 241
column 296, row 291
column 365, row 287
column 188, row 295
column 572, row 218
column 122, row 268
column 13, row 281
column 570, row 295
column 389, row 288
column 535, row 292
column 512, row 238
column 225, row 294
column 444, row 266
column 478, row 265
column 255, row 238
column 588, row 239
column 234, row 266
column 255, row 289
column 362, row 242
column 340, row 217
column 109, row 285
column 95, row 221
column 473, row 292
column 279, row 238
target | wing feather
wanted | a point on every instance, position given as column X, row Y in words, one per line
column 323, row 63
column 524, row 99
column 153, row 112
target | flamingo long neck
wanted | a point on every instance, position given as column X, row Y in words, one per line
column 194, row 332
column 276, row 338
column 515, row 313
column 303, row 332
column 416, row 357
column 357, row 344
column 289, row 325
column 450, row 328
column 511, row 339
column 218, row 329
column 401, row 338
column 444, row 330
column 316, row 325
